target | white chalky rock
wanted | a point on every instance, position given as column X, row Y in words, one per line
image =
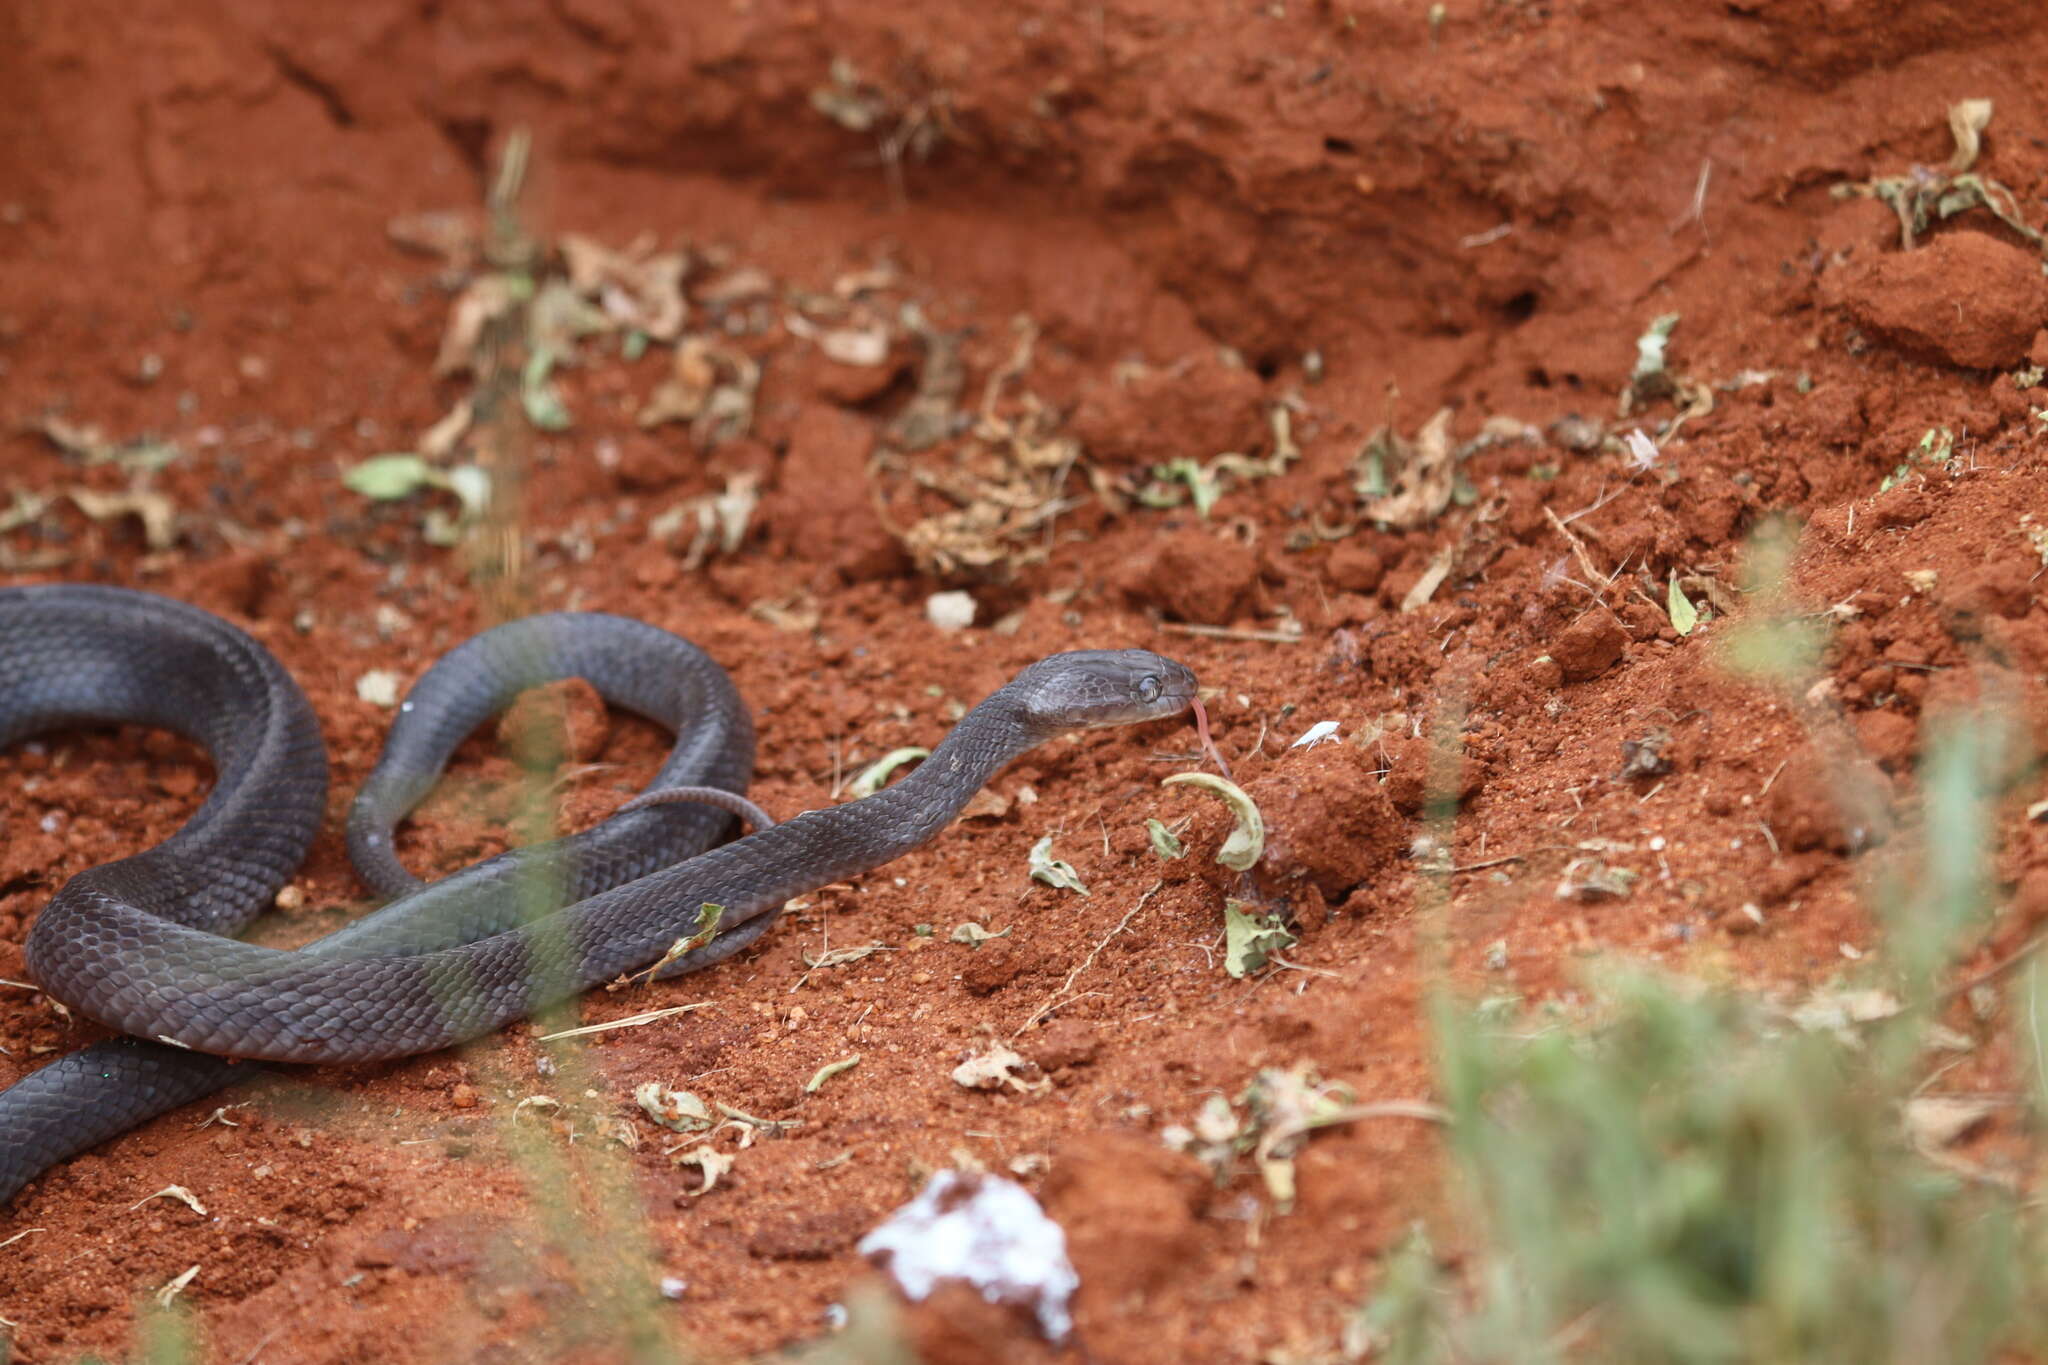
column 987, row 1232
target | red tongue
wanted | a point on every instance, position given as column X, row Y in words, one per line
column 1208, row 744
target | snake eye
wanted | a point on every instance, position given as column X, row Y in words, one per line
column 1148, row 688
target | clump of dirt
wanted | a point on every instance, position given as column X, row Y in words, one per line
column 1111, row 326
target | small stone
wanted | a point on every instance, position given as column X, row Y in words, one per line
column 950, row 611
column 463, row 1096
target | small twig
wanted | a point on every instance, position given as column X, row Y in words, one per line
column 1496, row 862
column 1765, row 790
column 1579, row 549
column 1056, row 1000
column 630, row 1021
column 1380, row 1109
column 1270, row 637
column 1993, row 972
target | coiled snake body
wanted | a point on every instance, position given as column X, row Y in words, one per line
column 139, row 943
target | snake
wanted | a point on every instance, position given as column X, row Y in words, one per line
column 144, row 944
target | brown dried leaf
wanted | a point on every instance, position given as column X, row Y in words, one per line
column 155, row 511
column 638, row 288
column 1967, row 120
column 485, row 299
column 1432, row 578
column 1937, row 1121
column 452, row 234
column 1423, row 474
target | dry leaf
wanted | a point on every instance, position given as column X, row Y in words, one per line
column 1422, row 474
column 710, row 1163
column 156, row 512
column 995, row 1069
column 451, row 234
column 177, row 1192
column 637, row 288
column 485, row 299
column 677, row 1109
column 439, row 440
column 1967, row 120
column 1432, row 578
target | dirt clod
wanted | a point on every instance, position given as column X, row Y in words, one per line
column 1193, row 575
column 1965, row 297
column 1589, row 646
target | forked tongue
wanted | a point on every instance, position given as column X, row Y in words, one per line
column 1208, row 744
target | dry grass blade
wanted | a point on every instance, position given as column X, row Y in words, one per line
column 630, row 1021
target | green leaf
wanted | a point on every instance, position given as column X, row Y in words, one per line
column 1684, row 615
column 390, row 477
column 1249, row 939
column 1248, row 837
column 1201, row 482
column 544, row 407
column 1164, row 843
column 1052, row 871
column 876, row 775
column 828, row 1071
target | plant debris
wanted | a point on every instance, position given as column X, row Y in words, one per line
column 1643, row 759
column 876, row 775
column 974, row 935
column 630, row 1021
column 711, row 1163
column 1651, row 378
column 169, row 1293
column 828, row 1071
column 1406, row 484
column 1247, row 840
column 722, row 519
column 1282, row 1108
column 997, row 1068
column 677, row 1109
column 1684, row 615
column 1164, row 841
column 177, row 1192
column 1322, row 732
column 708, row 918
column 1250, row 939
column 156, row 512
column 1926, row 195
column 388, row 478
column 1052, row 871
column 1591, row 879
column 980, row 505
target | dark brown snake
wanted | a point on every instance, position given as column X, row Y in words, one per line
column 140, row 944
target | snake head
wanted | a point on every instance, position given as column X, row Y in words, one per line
column 1090, row 687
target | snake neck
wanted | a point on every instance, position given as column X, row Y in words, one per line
column 823, row 846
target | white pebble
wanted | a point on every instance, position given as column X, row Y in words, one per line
column 950, row 610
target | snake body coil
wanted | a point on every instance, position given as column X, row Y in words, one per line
column 139, row 945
